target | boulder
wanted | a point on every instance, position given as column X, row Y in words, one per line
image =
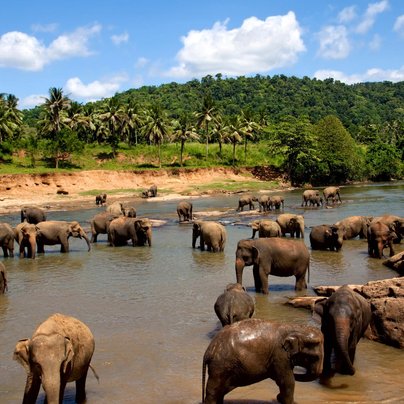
column 396, row 262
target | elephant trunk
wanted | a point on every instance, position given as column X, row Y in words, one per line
column 32, row 247
column 84, row 235
column 342, row 331
column 51, row 385
column 239, row 270
column 195, row 235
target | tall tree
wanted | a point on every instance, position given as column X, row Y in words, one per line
column 235, row 134
column 183, row 130
column 134, row 122
column 249, row 127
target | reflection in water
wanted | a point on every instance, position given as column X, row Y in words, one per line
column 151, row 309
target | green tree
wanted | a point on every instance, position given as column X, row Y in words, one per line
column 134, row 122
column 183, row 131
column 383, row 162
column 235, row 134
column 10, row 117
column 249, row 127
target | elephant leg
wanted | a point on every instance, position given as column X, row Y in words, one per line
column 257, row 279
column 391, row 249
column 264, row 281
column 40, row 247
column 286, row 389
column 300, row 282
column 202, row 241
column 214, row 392
column 32, row 387
column 5, row 251
column 81, row 388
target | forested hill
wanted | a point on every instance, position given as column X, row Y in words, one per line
column 278, row 96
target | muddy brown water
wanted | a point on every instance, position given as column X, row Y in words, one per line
column 151, row 309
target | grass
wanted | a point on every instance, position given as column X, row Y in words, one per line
column 232, row 186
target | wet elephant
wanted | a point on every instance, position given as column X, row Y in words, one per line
column 272, row 256
column 265, row 228
column 331, row 193
column 7, row 237
column 380, row 236
column 130, row 211
column 116, row 208
column 265, row 203
column 100, row 224
column 234, row 304
column 3, row 279
column 246, row 200
column 59, row 351
column 101, row 199
column 308, row 195
column 184, row 211
column 327, row 237
column 213, row 235
column 32, row 214
column 396, row 223
column 278, row 202
column 345, row 316
column 25, row 235
column 58, row 232
column 355, row 226
column 123, row 228
column 292, row 224
column 252, row 350
column 151, row 192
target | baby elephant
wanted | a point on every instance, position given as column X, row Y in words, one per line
column 59, row 352
column 234, row 304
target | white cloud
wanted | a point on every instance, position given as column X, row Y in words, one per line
column 334, row 43
column 22, row 51
column 257, row 46
column 347, row 14
column 118, row 39
column 44, row 27
column 399, row 25
column 32, row 101
column 374, row 74
column 141, row 62
column 370, row 16
column 375, row 43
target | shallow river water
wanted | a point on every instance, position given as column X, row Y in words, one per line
column 151, row 309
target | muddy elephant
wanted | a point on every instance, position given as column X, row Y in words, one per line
column 3, row 279
column 25, row 235
column 355, row 226
column 265, row 228
column 331, row 193
column 396, row 223
column 345, row 316
column 265, row 203
column 246, row 200
column 123, row 228
column 130, row 211
column 252, row 350
column 234, row 304
column 59, row 351
column 151, row 192
column 316, row 201
column 184, row 211
column 116, row 208
column 101, row 199
column 272, row 256
column 32, row 214
column 310, row 197
column 213, row 235
column 292, row 224
column 7, row 237
column 58, row 232
column 100, row 224
column 380, row 236
column 278, row 202
column 327, row 237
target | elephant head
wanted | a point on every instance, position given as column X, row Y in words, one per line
column 75, row 230
column 337, row 235
column 246, row 254
column 196, row 231
column 143, row 229
column 27, row 238
column 255, row 225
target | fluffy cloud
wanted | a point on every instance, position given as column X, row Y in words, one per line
column 347, row 14
column 334, row 43
column 22, row 51
column 370, row 16
column 32, row 100
column 399, row 25
column 118, row 39
column 373, row 74
column 255, row 47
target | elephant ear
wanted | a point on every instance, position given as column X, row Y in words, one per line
column 319, row 307
column 21, row 353
column 69, row 354
column 291, row 345
column 255, row 253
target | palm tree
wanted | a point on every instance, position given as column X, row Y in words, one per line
column 220, row 131
column 183, row 131
column 10, row 116
column 205, row 116
column 249, row 126
column 235, row 134
column 134, row 122
column 77, row 121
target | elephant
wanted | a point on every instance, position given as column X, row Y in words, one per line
column 252, row 350
column 101, row 199
column 130, row 211
column 272, row 256
column 116, row 209
column 316, row 200
column 151, row 192
column 234, row 304
column 100, row 224
column 7, row 238
column 292, row 224
column 246, row 200
column 58, row 232
column 25, row 234
column 380, row 236
column 32, row 214
column 265, row 228
column 123, row 228
column 212, row 234
column 327, row 237
column 310, row 195
column 345, row 316
column 184, row 211
column 265, row 203
column 333, row 193
column 355, row 226
column 396, row 223
column 3, row 279
column 59, row 351
column 278, row 202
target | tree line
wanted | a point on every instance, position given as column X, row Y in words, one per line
column 318, row 132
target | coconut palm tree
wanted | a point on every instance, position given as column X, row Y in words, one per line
column 220, row 131
column 77, row 121
column 10, row 116
column 134, row 122
column 249, row 127
column 183, row 130
column 235, row 134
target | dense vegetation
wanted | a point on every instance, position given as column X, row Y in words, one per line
column 316, row 131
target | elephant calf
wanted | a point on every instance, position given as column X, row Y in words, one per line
column 265, row 228
column 380, row 236
column 3, row 278
column 327, row 237
column 246, row 200
column 184, row 211
column 211, row 234
column 234, row 304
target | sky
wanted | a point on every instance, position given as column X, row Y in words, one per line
column 93, row 49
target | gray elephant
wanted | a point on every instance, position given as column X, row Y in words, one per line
column 265, row 203
column 25, row 235
column 311, row 196
column 272, row 256
column 116, row 209
column 355, row 226
column 292, row 224
column 316, row 200
column 58, row 232
column 151, row 192
column 278, row 202
column 100, row 224
column 32, row 214
column 345, row 316
column 380, row 236
column 213, row 235
column 130, row 211
column 184, row 211
column 265, row 228
column 246, row 200
column 396, row 223
column 59, row 351
column 123, row 228
column 101, row 199
column 234, row 304
column 3, row 279
column 332, row 193
column 252, row 350
column 7, row 238
column 327, row 237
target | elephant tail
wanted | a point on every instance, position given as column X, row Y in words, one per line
column 95, row 373
column 203, row 379
column 308, row 272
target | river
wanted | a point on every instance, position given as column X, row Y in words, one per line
column 151, row 309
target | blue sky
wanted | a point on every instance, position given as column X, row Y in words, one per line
column 93, row 49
